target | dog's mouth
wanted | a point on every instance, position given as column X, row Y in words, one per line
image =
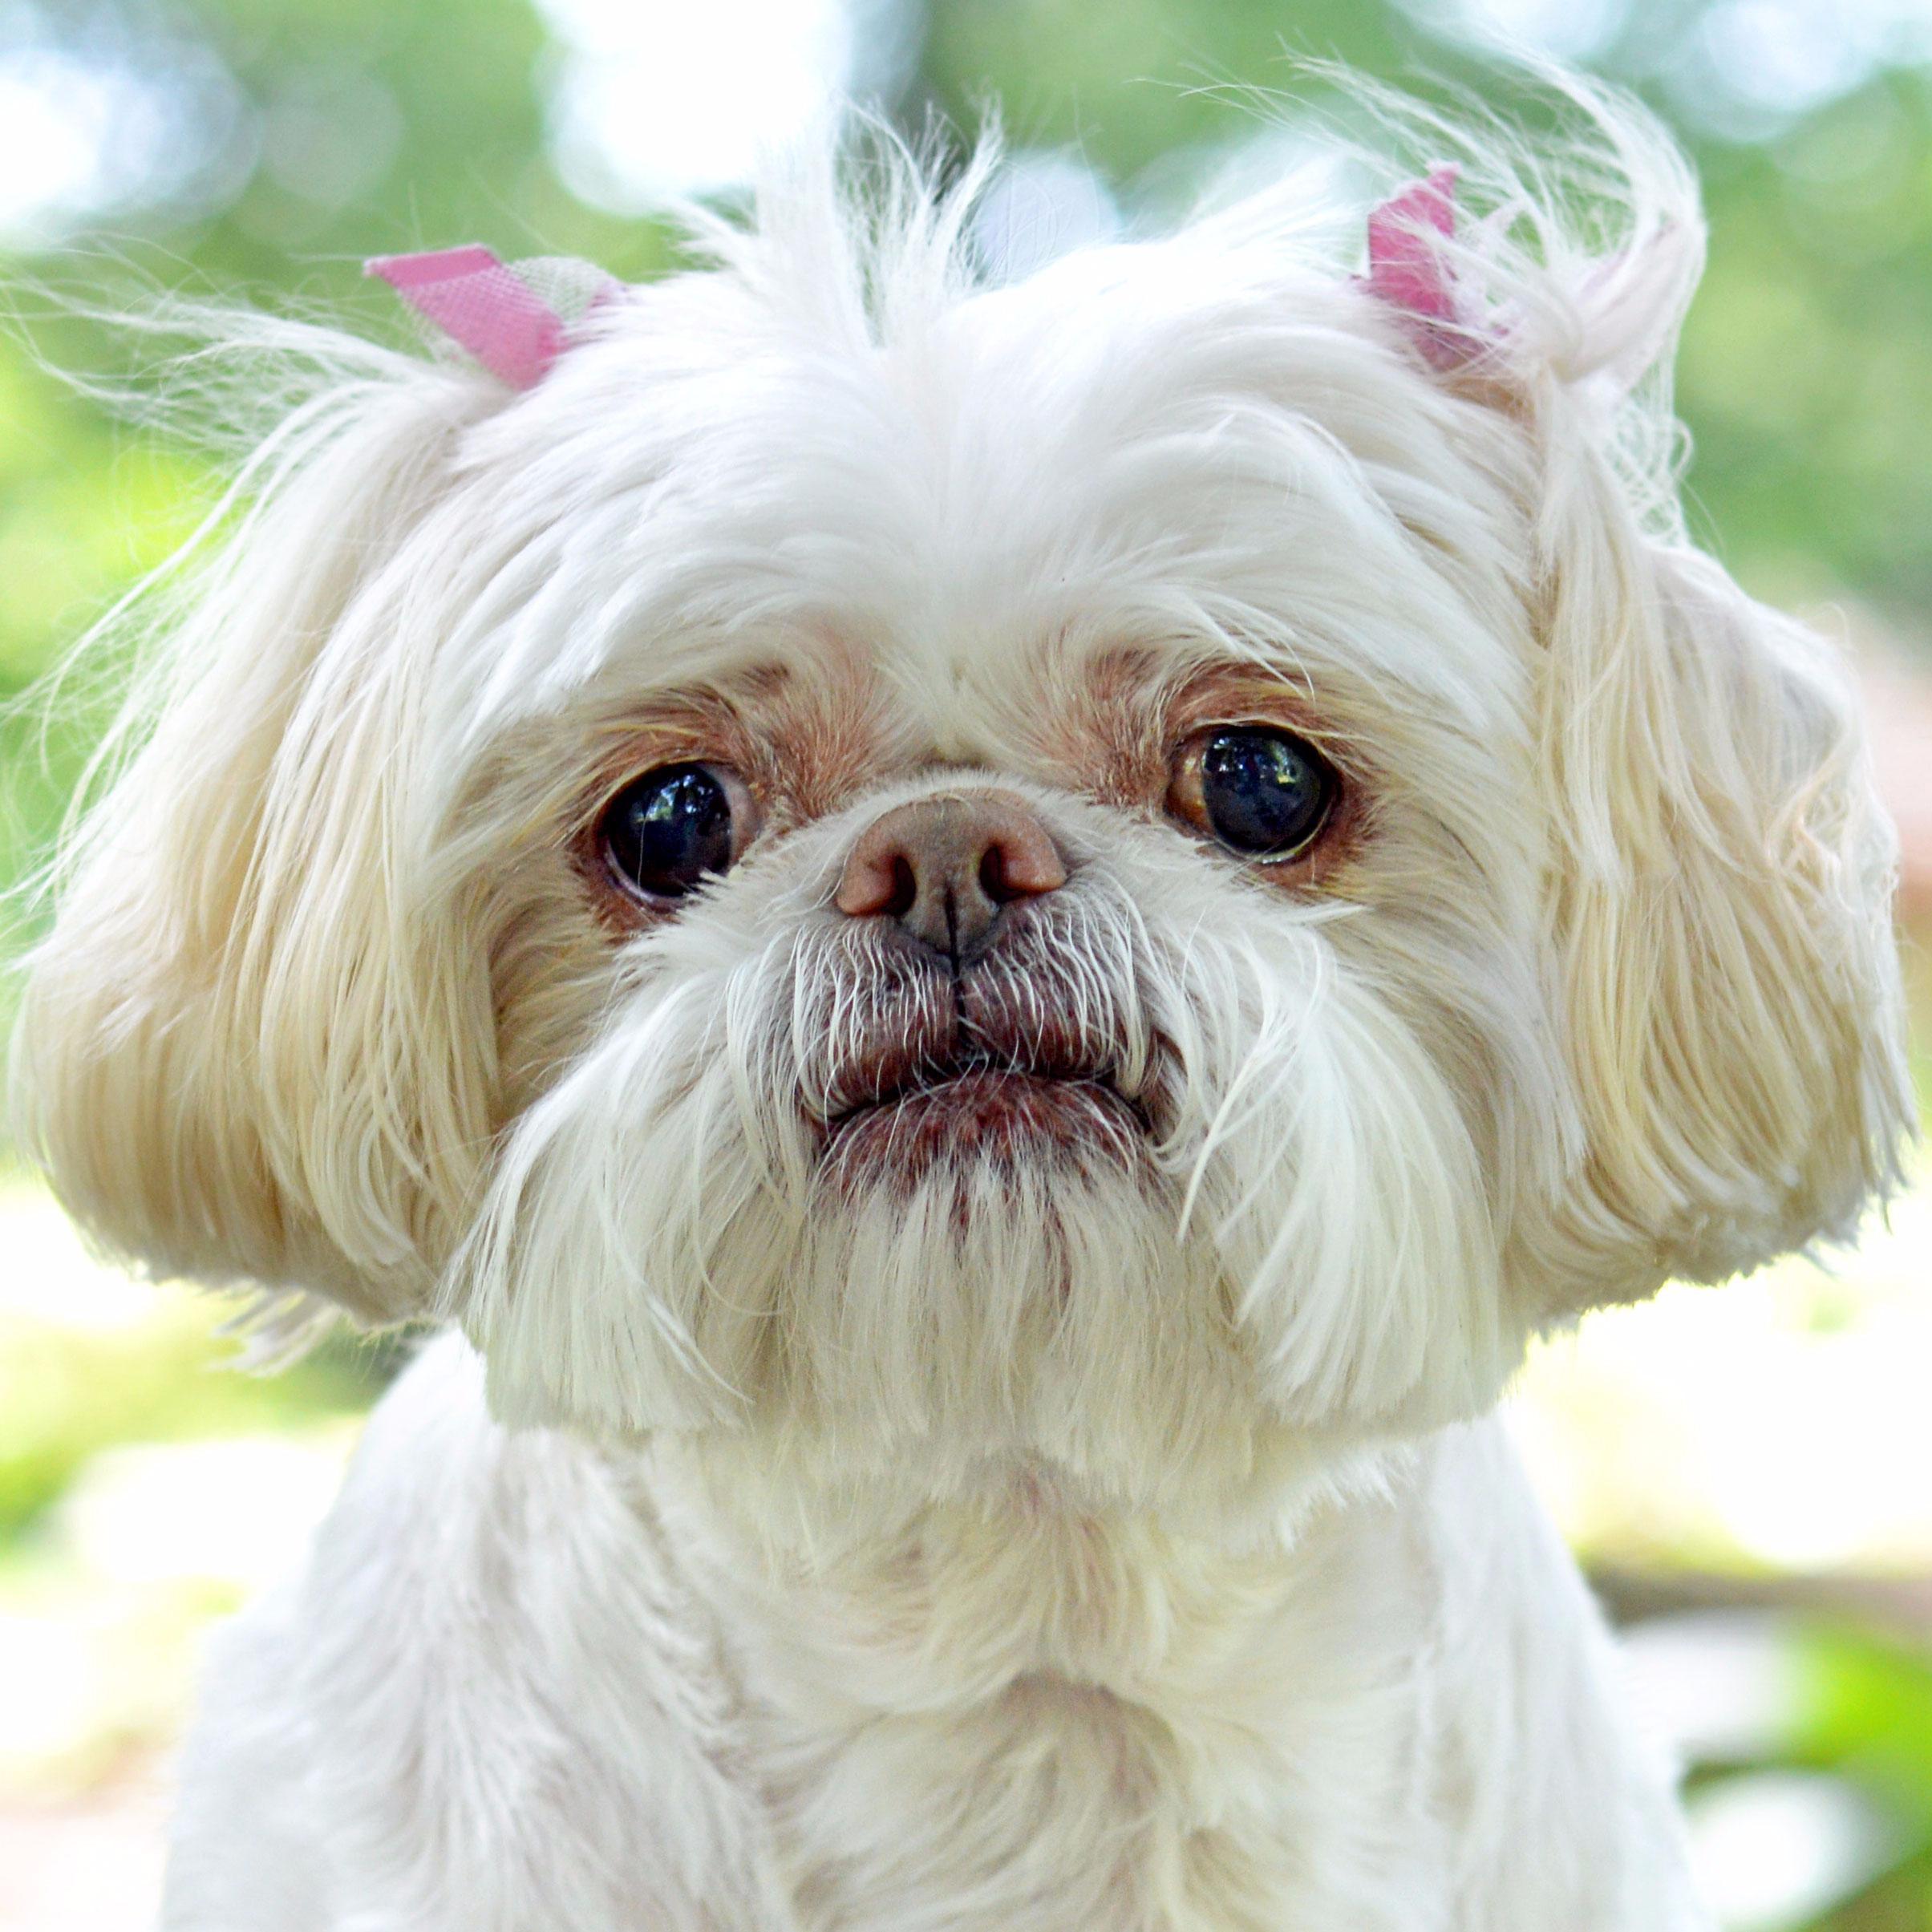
column 976, row 1108
column 1010, row 1066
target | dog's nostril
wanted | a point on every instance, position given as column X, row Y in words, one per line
column 902, row 894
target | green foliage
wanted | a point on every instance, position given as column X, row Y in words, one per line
column 66, row 1393
column 1138, row 80
column 1807, row 367
column 1867, row 1717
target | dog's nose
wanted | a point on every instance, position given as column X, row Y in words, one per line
column 944, row 868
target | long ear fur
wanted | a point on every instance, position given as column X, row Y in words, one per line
column 1719, row 911
column 240, row 1056
column 1719, row 902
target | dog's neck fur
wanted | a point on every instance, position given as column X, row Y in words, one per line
column 1025, row 1716
column 951, row 1604
column 1004, row 1663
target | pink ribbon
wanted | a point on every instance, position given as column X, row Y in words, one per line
column 482, row 305
column 1406, row 267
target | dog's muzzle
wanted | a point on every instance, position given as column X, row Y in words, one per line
column 972, row 1051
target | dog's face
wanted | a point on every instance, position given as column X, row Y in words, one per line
column 1005, row 936
column 1122, row 873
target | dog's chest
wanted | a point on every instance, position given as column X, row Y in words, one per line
column 1054, row 1805
column 1076, row 1736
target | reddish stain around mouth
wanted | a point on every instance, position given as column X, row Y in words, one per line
column 982, row 1114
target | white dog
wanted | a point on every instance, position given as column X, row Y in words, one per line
column 991, row 950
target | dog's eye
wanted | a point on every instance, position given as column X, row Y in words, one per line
column 1264, row 793
column 666, row 833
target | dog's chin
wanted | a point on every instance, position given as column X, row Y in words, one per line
column 1002, row 1117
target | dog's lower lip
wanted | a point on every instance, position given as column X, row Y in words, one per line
column 971, row 1081
column 983, row 1109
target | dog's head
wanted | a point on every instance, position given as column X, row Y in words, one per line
column 1137, row 870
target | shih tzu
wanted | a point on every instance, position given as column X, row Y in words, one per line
column 988, row 949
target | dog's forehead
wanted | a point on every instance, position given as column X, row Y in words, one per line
column 1097, row 460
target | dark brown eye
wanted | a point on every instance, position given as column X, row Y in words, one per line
column 1262, row 792
column 668, row 831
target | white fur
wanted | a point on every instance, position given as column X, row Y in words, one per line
column 1071, row 1542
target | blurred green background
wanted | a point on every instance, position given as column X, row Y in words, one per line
column 1747, row 1473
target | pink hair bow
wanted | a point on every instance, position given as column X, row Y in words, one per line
column 488, row 309
column 1405, row 269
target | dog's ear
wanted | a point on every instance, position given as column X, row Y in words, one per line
column 244, row 1055
column 1720, row 874
column 1719, row 911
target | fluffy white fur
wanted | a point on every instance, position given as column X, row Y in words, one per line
column 1084, row 1541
